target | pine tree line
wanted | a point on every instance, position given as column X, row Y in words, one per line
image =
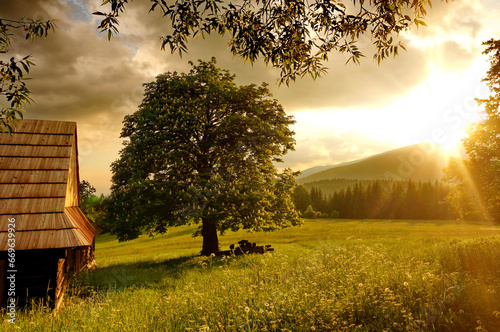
column 378, row 199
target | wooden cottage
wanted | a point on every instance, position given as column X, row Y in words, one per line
column 39, row 205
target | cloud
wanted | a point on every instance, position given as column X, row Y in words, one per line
column 461, row 21
column 455, row 57
column 344, row 86
column 81, row 76
column 78, row 73
column 329, row 148
column 350, row 86
column 86, row 63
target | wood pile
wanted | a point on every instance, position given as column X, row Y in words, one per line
column 245, row 247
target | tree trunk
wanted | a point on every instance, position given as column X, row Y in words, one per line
column 210, row 239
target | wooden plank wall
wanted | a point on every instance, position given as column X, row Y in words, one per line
column 32, row 190
column 34, row 167
column 31, row 205
column 45, row 221
column 23, row 151
column 29, row 176
column 46, row 164
column 62, row 281
column 87, row 231
column 72, row 192
column 56, row 139
column 45, row 127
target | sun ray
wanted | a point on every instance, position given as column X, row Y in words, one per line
column 469, row 182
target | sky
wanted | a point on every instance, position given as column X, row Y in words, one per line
column 424, row 94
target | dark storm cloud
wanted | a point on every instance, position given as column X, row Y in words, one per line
column 78, row 73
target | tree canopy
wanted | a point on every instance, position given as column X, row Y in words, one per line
column 85, row 190
column 202, row 149
column 477, row 190
column 294, row 35
column 15, row 94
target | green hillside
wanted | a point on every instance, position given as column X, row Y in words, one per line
column 423, row 161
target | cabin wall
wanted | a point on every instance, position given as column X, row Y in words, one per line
column 62, row 280
column 44, row 274
column 36, row 276
column 81, row 259
column 39, row 179
column 72, row 192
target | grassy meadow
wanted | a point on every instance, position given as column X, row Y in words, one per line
column 327, row 275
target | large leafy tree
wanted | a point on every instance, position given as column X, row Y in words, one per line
column 202, row 149
column 477, row 178
column 293, row 35
column 13, row 90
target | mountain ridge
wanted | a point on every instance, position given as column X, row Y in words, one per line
column 421, row 162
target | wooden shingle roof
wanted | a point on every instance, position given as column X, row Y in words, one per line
column 39, row 187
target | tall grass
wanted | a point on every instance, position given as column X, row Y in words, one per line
column 325, row 276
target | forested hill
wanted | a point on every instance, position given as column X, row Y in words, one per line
column 420, row 162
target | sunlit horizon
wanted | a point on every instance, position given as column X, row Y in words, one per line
column 440, row 110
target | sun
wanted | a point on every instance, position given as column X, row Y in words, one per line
column 452, row 143
column 452, row 107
